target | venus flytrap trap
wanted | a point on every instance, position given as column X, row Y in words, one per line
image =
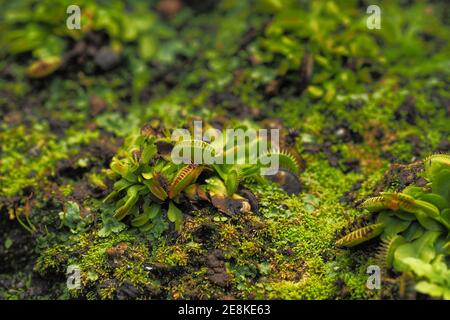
column 414, row 228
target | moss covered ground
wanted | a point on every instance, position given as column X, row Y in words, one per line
column 359, row 105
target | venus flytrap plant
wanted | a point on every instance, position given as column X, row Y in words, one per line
column 414, row 227
column 149, row 183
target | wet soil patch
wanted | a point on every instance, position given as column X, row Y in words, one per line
column 233, row 105
column 443, row 147
column 18, row 256
column 407, row 111
column 400, row 176
column 349, row 197
column 217, row 272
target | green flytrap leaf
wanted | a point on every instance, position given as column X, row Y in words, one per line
column 175, row 215
column 149, row 213
column 422, row 248
column 441, row 184
column 414, row 231
column 435, row 199
column 392, row 226
column 232, row 181
column 156, row 189
column 130, row 200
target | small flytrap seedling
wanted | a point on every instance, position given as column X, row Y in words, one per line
column 150, row 183
column 414, row 229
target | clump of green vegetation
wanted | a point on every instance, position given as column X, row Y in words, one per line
column 147, row 177
column 414, row 227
